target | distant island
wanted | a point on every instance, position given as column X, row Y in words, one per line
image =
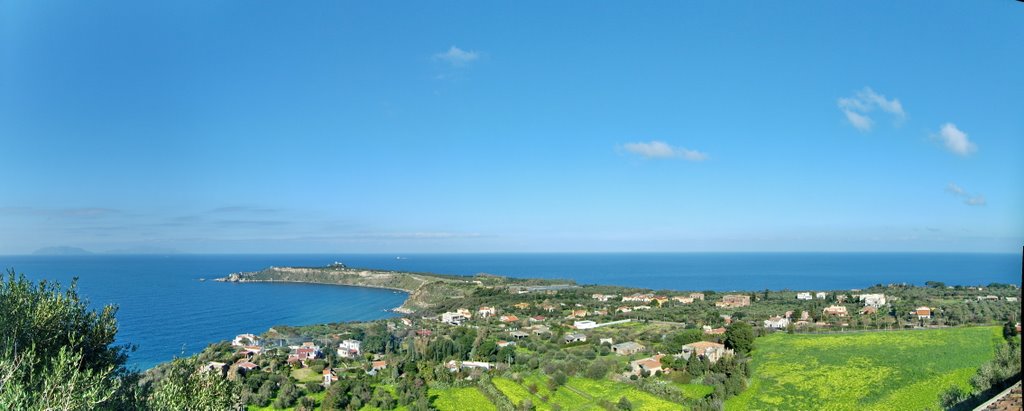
column 68, row 250
column 62, row 250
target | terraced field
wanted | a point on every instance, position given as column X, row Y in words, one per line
column 899, row 370
column 469, row 398
column 579, row 394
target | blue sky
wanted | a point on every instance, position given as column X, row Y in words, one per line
column 239, row 127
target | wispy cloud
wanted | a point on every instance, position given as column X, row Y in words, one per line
column 244, row 209
column 968, row 198
column 978, row 200
column 78, row 212
column 954, row 189
column 857, row 107
column 956, row 140
column 662, row 150
column 457, row 57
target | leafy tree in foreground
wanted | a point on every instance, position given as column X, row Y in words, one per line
column 740, row 337
column 184, row 388
column 56, row 353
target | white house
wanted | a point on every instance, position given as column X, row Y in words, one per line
column 872, row 300
column 349, row 349
column 485, row 312
column 453, row 318
column 455, row 365
column 643, row 298
column 584, row 325
column 242, row 340
column 821, row 295
column 803, row 296
column 776, row 322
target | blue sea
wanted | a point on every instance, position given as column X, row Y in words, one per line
column 166, row 311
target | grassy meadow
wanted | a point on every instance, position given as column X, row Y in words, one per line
column 898, row 370
column 468, row 398
column 579, row 394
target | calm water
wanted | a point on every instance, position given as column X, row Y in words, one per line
column 166, row 311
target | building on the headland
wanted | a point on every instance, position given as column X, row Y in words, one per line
column 242, row 340
column 251, row 350
column 804, row 296
column 509, row 318
column 923, row 312
column 711, row 350
column 218, row 368
column 604, row 297
column 244, row 367
column 682, row 299
column 349, row 349
column 627, row 348
column 697, row 296
column 733, row 301
column 306, row 351
column 821, row 295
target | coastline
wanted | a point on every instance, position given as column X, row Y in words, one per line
column 400, row 309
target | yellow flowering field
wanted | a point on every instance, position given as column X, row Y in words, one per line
column 904, row 370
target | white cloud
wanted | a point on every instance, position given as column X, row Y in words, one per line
column 861, row 122
column 978, row 200
column 856, row 108
column 954, row 189
column 457, row 57
column 956, row 140
column 660, row 149
column 968, row 198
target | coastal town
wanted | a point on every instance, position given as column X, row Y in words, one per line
column 536, row 344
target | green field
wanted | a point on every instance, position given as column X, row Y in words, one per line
column 899, row 370
column 579, row 394
column 469, row 398
column 303, row 375
column 696, row 391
